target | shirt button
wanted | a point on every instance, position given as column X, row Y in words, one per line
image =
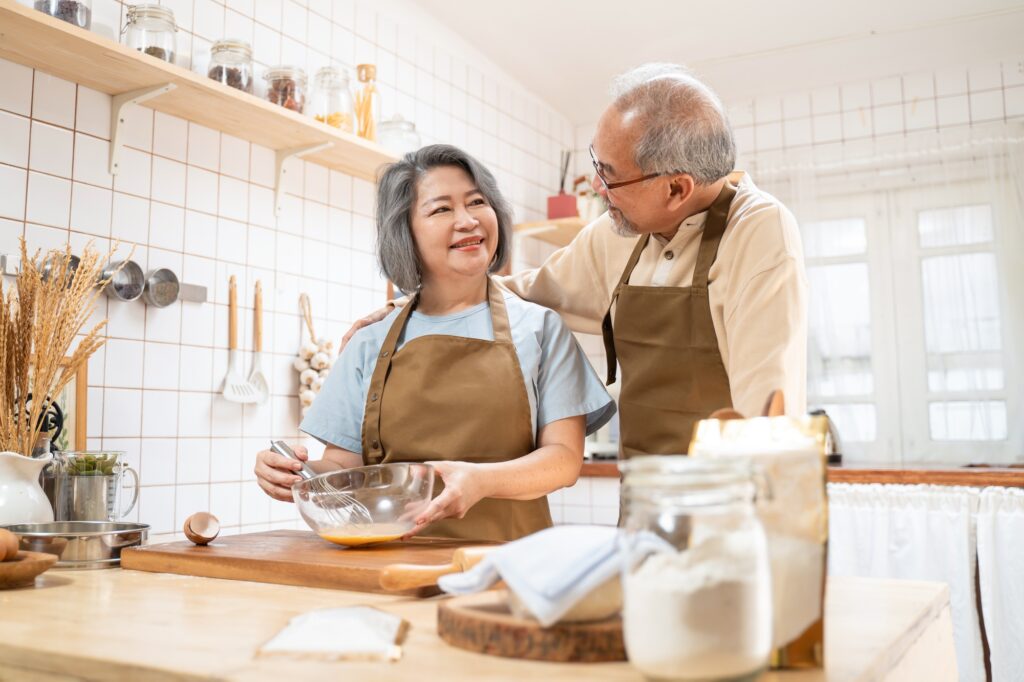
column 669, row 255
column 375, row 444
column 384, row 354
column 373, row 398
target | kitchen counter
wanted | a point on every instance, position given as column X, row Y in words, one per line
column 130, row 625
column 866, row 472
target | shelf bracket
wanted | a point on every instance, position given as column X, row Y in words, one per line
column 282, row 155
column 117, row 117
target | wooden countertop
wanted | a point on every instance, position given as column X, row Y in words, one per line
column 131, row 625
column 932, row 474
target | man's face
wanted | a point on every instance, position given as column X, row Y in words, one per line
column 636, row 208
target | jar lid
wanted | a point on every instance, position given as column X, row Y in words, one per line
column 285, row 71
column 366, row 72
column 331, row 73
column 231, row 45
column 150, row 11
column 681, row 471
column 397, row 123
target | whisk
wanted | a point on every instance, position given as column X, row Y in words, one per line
column 340, row 507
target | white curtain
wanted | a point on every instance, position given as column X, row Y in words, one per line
column 914, row 245
column 913, row 533
column 1001, row 569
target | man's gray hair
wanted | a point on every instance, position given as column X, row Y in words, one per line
column 396, row 194
column 685, row 128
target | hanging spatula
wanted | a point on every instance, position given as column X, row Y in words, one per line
column 257, row 380
column 236, row 388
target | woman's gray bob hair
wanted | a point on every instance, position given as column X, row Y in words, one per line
column 396, row 194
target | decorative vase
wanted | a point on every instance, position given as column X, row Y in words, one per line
column 22, row 499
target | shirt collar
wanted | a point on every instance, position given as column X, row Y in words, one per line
column 688, row 226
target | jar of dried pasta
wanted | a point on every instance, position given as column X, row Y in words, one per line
column 331, row 101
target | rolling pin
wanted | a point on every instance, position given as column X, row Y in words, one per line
column 397, row 577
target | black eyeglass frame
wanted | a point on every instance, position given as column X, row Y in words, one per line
column 609, row 186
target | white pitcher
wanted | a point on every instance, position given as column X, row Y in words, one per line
column 22, row 499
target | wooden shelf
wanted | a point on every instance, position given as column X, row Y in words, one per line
column 558, row 232
column 42, row 42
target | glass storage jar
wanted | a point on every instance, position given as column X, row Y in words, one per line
column 398, row 136
column 231, row 64
column 77, row 12
column 286, row 86
column 331, row 100
column 696, row 581
column 151, row 29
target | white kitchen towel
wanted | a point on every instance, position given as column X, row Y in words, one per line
column 553, row 569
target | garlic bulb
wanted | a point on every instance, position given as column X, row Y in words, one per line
column 317, row 384
column 306, row 397
column 308, row 350
column 325, row 346
column 320, row 361
column 300, row 364
column 306, row 376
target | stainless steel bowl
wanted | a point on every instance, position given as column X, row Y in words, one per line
column 161, row 288
column 81, row 544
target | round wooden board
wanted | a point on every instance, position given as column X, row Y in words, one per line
column 483, row 623
column 23, row 569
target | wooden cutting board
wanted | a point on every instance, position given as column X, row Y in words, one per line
column 483, row 623
column 293, row 557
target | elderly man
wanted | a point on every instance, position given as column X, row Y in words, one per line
column 694, row 276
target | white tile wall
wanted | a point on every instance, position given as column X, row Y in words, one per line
column 201, row 202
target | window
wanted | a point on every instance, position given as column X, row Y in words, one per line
column 910, row 320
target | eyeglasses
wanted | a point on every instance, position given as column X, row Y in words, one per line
column 608, row 186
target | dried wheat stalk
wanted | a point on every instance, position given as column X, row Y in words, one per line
column 40, row 317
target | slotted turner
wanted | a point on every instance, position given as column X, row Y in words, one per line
column 257, row 380
column 236, row 388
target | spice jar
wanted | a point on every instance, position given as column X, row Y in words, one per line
column 331, row 101
column 231, row 64
column 398, row 136
column 698, row 605
column 77, row 12
column 286, row 85
column 151, row 29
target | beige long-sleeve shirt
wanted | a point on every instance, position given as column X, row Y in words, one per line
column 758, row 289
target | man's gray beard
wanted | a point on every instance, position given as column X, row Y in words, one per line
column 621, row 226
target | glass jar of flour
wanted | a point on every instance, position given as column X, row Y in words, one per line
column 698, row 606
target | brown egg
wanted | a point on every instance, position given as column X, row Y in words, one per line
column 201, row 528
column 8, row 545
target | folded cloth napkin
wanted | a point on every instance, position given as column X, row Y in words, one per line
column 551, row 570
column 354, row 632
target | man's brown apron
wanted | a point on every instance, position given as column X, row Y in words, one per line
column 455, row 398
column 664, row 337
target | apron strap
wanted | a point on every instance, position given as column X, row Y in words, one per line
column 499, row 313
column 373, row 451
column 606, row 324
column 714, row 228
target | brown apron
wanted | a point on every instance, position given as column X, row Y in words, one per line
column 455, row 398
column 664, row 337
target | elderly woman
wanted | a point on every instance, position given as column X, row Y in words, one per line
column 493, row 391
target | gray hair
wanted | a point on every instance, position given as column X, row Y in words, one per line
column 396, row 193
column 685, row 128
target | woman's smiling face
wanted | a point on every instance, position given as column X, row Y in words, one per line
column 453, row 225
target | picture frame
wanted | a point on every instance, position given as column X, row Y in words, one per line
column 73, row 403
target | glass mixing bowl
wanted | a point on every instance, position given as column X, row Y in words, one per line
column 365, row 505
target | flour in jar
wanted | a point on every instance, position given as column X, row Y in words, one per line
column 700, row 614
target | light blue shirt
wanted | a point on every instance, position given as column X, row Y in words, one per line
column 560, row 382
